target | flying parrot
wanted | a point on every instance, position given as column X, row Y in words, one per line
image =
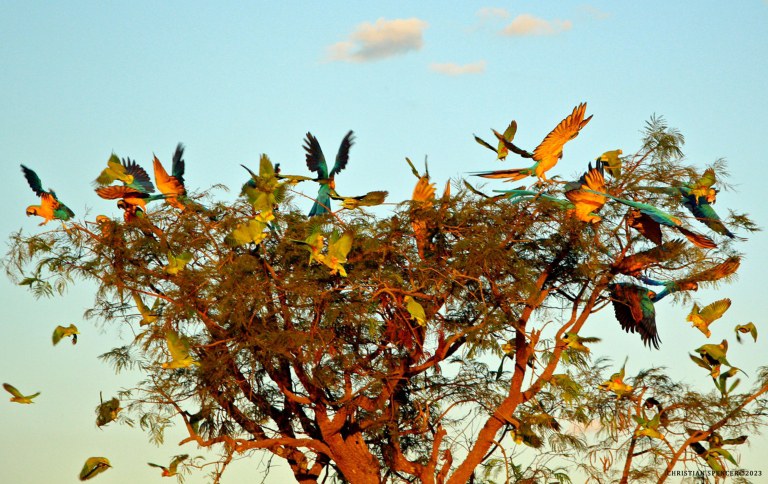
column 691, row 283
column 172, row 186
column 576, row 342
column 633, row 307
column 93, row 467
column 178, row 346
column 107, row 411
column 148, row 316
column 17, row 396
column 370, row 199
column 251, row 231
column 314, row 244
column 62, row 332
column 171, row 470
column 177, row 263
column 584, row 194
column 703, row 317
column 50, row 207
column 745, row 328
column 501, row 149
column 422, row 201
column 612, row 162
column 648, row 428
column 549, row 151
column 316, row 163
column 635, row 264
column 127, row 171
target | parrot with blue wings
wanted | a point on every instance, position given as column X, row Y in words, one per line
column 316, row 163
column 633, row 307
column 50, row 207
column 691, row 283
column 172, row 186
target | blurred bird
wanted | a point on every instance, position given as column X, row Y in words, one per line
column 633, row 307
column 62, row 332
column 177, row 263
column 416, row 310
column 501, row 149
column 314, row 244
column 126, row 171
column 264, row 191
column 50, row 207
column 17, row 396
column 576, row 342
column 251, row 231
column 584, row 194
column 370, row 199
column 422, row 202
column 648, row 428
column 339, row 246
column 148, row 316
column 107, row 411
column 635, row 264
column 549, row 151
column 93, row 467
column 171, row 470
column 703, row 317
column 612, row 162
column 616, row 383
column 691, row 283
column 316, row 163
column 178, row 347
column 712, row 357
column 746, row 328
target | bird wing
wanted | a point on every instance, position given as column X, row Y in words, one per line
column 94, row 466
column 58, row 333
column 176, row 461
column 120, row 191
column 12, row 390
column 653, row 256
column 157, row 465
column 342, row 156
column 715, row 310
column 697, row 239
column 33, row 180
column 715, row 273
column 424, row 191
column 177, row 166
column 644, row 224
column 552, row 145
column 315, row 159
column 339, row 246
column 141, row 181
column 168, row 185
column 635, row 312
column 705, row 214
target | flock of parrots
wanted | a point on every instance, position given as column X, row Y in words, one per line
column 128, row 183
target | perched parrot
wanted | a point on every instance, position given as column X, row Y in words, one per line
column 746, row 328
column 107, row 411
column 177, row 263
column 50, row 207
column 612, row 162
column 370, row 199
column 715, row 452
column 501, row 150
column 326, row 179
column 178, row 346
column 648, row 428
column 314, row 244
column 148, row 316
column 576, row 342
column 339, row 246
column 62, row 332
column 93, row 467
column 194, row 419
column 616, row 384
column 172, row 186
column 703, row 317
column 251, row 231
column 691, row 283
column 548, row 153
column 633, row 306
column 17, row 396
column 416, row 310
column 635, row 264
column 170, row 471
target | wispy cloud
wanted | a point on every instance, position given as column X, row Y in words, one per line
column 526, row 24
column 492, row 12
column 379, row 40
column 451, row 69
column 598, row 14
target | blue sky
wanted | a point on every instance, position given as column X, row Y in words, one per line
column 82, row 79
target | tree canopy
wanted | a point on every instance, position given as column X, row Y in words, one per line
column 359, row 344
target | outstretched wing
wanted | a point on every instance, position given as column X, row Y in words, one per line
column 33, row 180
column 141, row 179
column 715, row 310
column 315, row 158
column 552, row 146
column 342, row 157
column 177, row 167
column 12, row 390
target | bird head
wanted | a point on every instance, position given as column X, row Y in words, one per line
column 123, row 205
column 31, row 210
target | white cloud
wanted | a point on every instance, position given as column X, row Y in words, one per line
column 598, row 14
column 382, row 39
column 527, row 24
column 451, row 69
column 494, row 12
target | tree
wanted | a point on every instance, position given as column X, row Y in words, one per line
column 359, row 347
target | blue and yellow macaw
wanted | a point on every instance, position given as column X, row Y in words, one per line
column 50, row 207
column 172, row 186
column 549, row 151
column 634, row 265
column 584, row 194
column 633, row 307
column 316, row 163
column 134, row 193
column 691, row 282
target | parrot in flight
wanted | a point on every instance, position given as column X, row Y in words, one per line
column 93, row 467
column 107, row 411
column 746, row 328
column 172, row 468
column 172, row 186
column 50, row 207
column 501, row 149
column 61, row 332
column 691, row 283
column 549, row 151
column 17, row 396
column 178, row 346
column 576, row 342
column 703, row 317
column 316, row 163
column 633, row 307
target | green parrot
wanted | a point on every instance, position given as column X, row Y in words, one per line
column 648, row 428
column 416, row 310
column 177, row 263
column 107, row 411
column 314, row 244
column 339, row 246
column 264, row 191
column 501, row 150
column 549, row 151
column 633, row 307
column 616, row 384
column 62, row 332
column 612, row 162
column 576, row 342
column 715, row 442
column 178, row 346
column 127, row 171
column 93, row 467
column 370, row 199
column 691, row 283
column 133, row 194
column 148, row 316
column 171, row 470
column 745, row 328
column 712, row 357
column 50, row 207
column 703, row 317
column 17, row 396
column 251, row 231
column 316, row 163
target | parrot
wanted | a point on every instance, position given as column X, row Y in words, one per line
column 501, row 150
column 339, row 246
column 703, row 317
column 127, row 171
column 172, row 186
column 549, row 151
column 17, row 396
column 691, row 283
column 178, row 346
column 62, row 332
column 171, row 470
column 746, row 328
column 314, row 244
column 148, row 316
column 633, row 265
column 107, row 411
column 50, row 207
column 370, row 199
column 416, row 310
column 247, row 232
column 176, row 263
column 583, row 194
column 633, row 306
column 612, row 162
column 576, row 342
column 94, row 466
column 316, row 163
column 648, row 428
column 616, row 383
